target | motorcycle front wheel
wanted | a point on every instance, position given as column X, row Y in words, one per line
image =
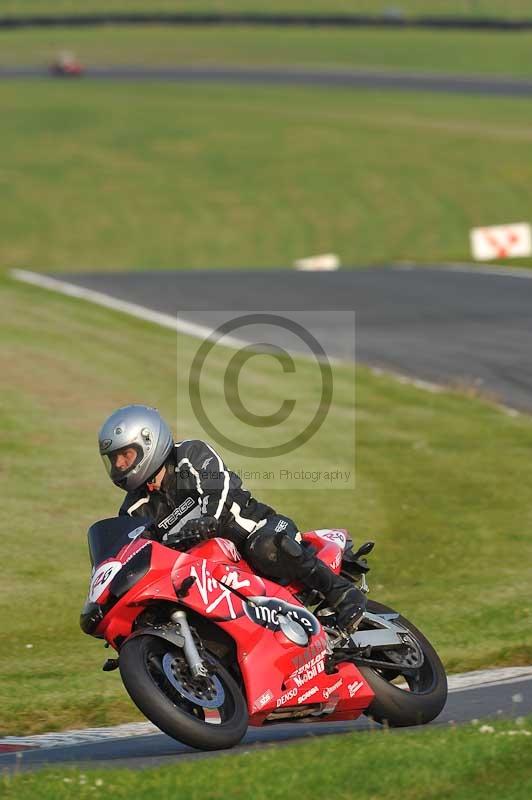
column 403, row 695
column 206, row 712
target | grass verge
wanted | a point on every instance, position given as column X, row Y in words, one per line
column 461, row 52
column 443, row 484
column 474, row 8
column 117, row 175
column 472, row 763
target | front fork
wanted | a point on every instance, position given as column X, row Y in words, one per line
column 193, row 658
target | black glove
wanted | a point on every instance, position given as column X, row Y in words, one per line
column 192, row 532
column 205, row 527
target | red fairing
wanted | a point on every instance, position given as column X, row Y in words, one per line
column 277, row 673
column 330, row 544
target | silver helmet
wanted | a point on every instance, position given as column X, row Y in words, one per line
column 134, row 444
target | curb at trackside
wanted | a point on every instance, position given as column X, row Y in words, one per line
column 465, row 681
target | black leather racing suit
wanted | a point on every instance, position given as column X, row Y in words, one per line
column 197, row 483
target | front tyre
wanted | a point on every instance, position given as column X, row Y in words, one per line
column 208, row 713
column 420, row 695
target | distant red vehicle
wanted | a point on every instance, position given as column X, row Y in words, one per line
column 206, row 647
column 67, row 65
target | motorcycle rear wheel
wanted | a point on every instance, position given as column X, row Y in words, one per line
column 423, row 694
column 152, row 671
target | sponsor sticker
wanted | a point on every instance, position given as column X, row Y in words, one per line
column 337, row 561
column 286, row 697
column 331, row 689
column 265, row 612
column 214, row 594
column 232, row 579
column 263, row 700
column 309, row 670
column 354, row 687
column 318, row 649
column 307, row 695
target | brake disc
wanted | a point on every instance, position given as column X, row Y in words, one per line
column 206, row 692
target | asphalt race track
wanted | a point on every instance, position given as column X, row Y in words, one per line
column 507, row 699
column 468, row 328
column 355, row 79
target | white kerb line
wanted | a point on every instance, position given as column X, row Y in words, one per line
column 133, row 309
column 464, row 681
column 141, row 312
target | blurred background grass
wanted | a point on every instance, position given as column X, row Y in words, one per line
column 470, row 52
column 245, row 176
column 256, row 175
column 504, row 8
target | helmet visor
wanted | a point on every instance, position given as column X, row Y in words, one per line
column 120, row 462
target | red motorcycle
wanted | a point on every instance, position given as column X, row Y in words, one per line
column 206, row 647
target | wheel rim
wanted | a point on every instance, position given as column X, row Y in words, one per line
column 206, row 699
column 411, row 676
column 206, row 692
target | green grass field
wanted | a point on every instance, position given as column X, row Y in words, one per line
column 505, row 8
column 443, row 484
column 124, row 176
column 413, row 50
column 459, row 763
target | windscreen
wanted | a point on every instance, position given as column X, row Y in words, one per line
column 108, row 536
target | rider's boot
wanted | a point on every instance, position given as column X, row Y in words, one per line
column 346, row 600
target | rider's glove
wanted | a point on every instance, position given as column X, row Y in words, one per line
column 192, row 532
column 206, row 527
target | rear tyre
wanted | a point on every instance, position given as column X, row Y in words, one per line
column 207, row 713
column 423, row 693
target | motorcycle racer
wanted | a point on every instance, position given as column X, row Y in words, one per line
column 190, row 494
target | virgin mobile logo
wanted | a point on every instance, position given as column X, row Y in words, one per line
column 265, row 611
